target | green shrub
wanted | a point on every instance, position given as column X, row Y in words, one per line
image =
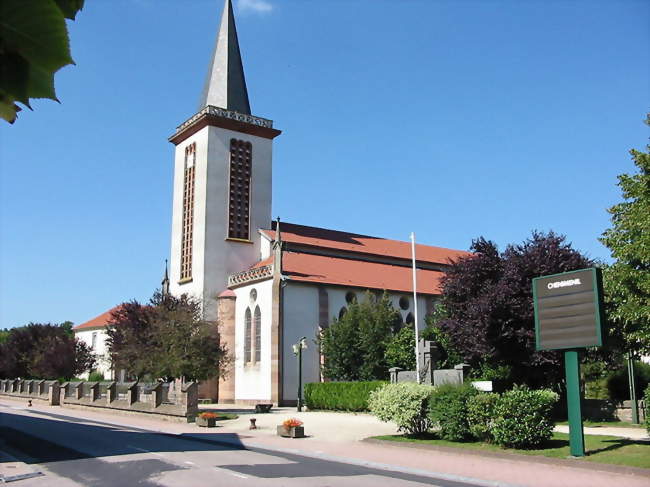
column 618, row 384
column 448, row 410
column 405, row 404
column 95, row 377
column 340, row 396
column 523, row 417
column 646, row 400
column 480, row 415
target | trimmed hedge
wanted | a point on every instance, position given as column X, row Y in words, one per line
column 522, row 418
column 405, row 404
column 340, row 396
column 448, row 410
column 480, row 415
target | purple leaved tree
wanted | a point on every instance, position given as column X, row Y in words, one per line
column 489, row 307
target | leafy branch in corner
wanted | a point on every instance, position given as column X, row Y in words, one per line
column 34, row 45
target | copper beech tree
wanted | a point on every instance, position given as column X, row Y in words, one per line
column 488, row 304
column 43, row 351
column 165, row 339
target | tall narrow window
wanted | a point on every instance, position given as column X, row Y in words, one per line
column 247, row 336
column 188, row 212
column 241, row 155
column 257, row 324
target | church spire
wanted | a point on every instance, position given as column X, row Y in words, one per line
column 225, row 85
column 165, row 282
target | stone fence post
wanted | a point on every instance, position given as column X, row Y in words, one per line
column 111, row 392
column 94, row 391
column 156, row 395
column 132, row 392
column 78, row 390
column 190, row 397
column 53, row 393
column 63, row 392
column 394, row 372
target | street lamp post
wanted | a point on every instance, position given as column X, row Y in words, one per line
column 297, row 350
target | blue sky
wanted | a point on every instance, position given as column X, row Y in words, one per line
column 452, row 119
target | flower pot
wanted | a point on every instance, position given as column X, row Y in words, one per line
column 291, row 432
column 206, row 422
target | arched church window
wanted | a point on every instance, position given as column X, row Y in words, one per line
column 257, row 325
column 350, row 297
column 188, row 212
column 342, row 312
column 247, row 336
column 241, row 156
column 409, row 319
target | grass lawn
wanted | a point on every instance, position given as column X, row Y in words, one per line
column 601, row 449
column 607, row 424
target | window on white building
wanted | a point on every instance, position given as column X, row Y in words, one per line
column 247, row 336
column 257, row 324
column 93, row 341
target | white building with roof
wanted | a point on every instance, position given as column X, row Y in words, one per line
column 268, row 283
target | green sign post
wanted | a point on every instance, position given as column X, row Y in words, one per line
column 569, row 317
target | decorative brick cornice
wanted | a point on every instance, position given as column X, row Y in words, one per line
column 251, row 275
column 227, row 119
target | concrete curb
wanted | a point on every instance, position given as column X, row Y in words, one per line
column 564, row 462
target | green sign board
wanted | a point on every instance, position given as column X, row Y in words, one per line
column 569, row 316
column 568, row 310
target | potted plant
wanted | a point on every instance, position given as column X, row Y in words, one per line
column 207, row 419
column 291, row 428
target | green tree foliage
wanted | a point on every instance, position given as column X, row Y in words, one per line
column 43, row 351
column 167, row 338
column 4, row 335
column 354, row 346
column 446, row 355
column 627, row 280
column 34, row 45
column 400, row 351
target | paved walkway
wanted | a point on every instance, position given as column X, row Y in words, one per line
column 337, row 436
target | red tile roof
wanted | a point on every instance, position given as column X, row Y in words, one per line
column 352, row 242
column 357, row 273
column 98, row 321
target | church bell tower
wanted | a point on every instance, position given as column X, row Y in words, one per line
column 222, row 179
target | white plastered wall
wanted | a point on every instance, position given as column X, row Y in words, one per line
column 100, row 350
column 300, row 319
column 253, row 380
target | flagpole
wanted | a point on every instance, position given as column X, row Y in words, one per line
column 415, row 307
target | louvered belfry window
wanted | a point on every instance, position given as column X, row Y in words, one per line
column 188, row 212
column 241, row 156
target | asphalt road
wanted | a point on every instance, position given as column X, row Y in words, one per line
column 72, row 452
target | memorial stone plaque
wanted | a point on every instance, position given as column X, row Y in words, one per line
column 568, row 310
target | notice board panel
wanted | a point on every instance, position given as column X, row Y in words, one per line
column 568, row 310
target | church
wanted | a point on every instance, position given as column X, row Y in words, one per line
column 267, row 283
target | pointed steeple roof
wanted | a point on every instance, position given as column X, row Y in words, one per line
column 225, row 85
